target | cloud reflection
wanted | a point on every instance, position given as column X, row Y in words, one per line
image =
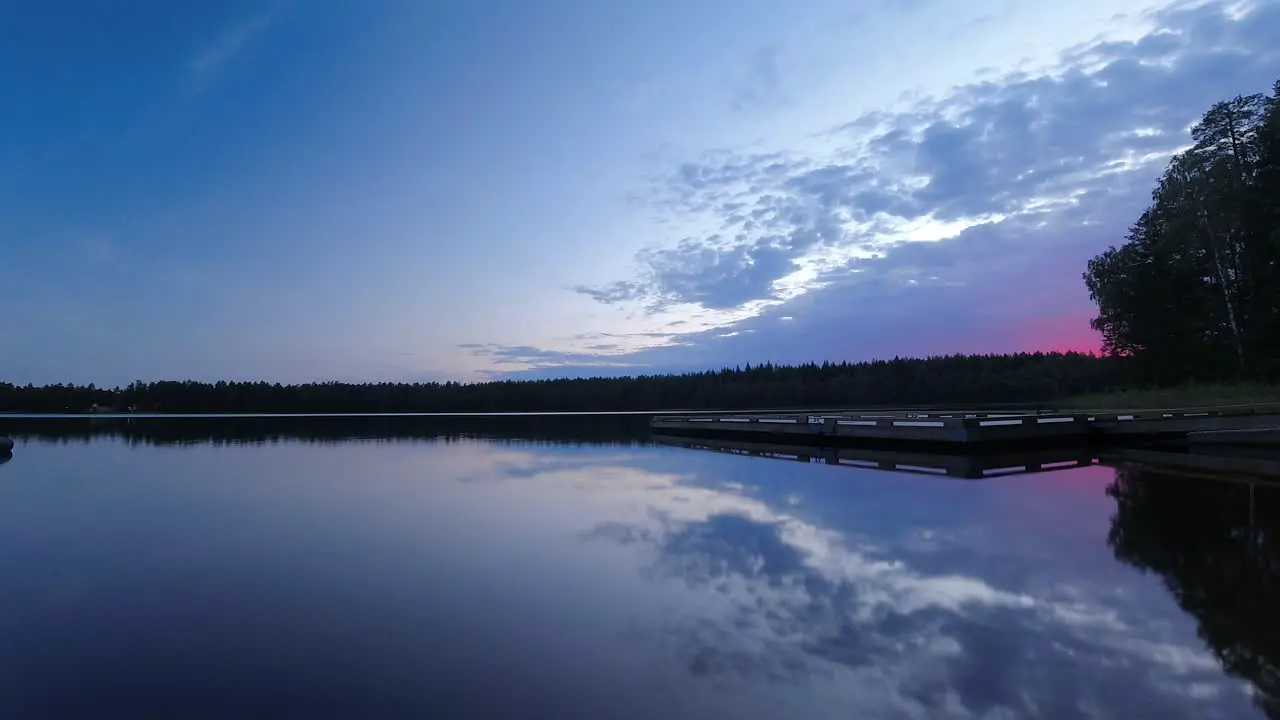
column 773, row 597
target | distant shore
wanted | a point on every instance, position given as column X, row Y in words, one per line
column 1223, row 395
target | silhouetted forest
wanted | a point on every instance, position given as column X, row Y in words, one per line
column 1216, row 544
column 1194, row 293
column 954, row 379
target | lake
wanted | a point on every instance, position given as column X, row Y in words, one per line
column 560, row 567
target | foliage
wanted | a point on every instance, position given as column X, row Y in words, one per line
column 1194, row 292
column 953, row 379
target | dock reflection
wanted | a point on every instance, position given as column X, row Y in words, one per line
column 1238, row 465
column 969, row 465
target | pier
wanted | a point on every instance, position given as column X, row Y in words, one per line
column 1243, row 424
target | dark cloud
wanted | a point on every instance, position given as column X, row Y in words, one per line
column 720, row 279
column 620, row 291
column 592, row 368
column 1057, row 165
column 529, row 355
column 594, row 359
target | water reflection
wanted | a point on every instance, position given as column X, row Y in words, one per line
column 1206, row 522
column 793, row 600
column 563, row 429
column 491, row 575
column 1214, row 543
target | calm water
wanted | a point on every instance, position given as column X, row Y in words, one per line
column 565, row 568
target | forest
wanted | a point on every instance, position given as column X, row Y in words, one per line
column 955, row 379
column 1192, row 295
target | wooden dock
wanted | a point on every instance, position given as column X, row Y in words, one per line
column 973, row 428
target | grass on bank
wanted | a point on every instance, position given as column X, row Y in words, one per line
column 1185, row 396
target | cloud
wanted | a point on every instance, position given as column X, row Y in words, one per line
column 227, row 45
column 594, row 361
column 599, row 354
column 614, row 292
column 969, row 215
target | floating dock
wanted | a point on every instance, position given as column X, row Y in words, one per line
column 974, row 428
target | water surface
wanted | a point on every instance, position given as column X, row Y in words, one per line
column 560, row 567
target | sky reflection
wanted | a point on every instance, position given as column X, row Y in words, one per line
column 478, row 577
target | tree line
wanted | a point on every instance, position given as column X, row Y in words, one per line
column 951, row 379
column 1193, row 294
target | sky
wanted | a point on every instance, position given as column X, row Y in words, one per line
column 400, row 190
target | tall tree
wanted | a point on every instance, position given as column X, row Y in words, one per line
column 1192, row 293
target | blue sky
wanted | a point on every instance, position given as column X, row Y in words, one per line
column 409, row 190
